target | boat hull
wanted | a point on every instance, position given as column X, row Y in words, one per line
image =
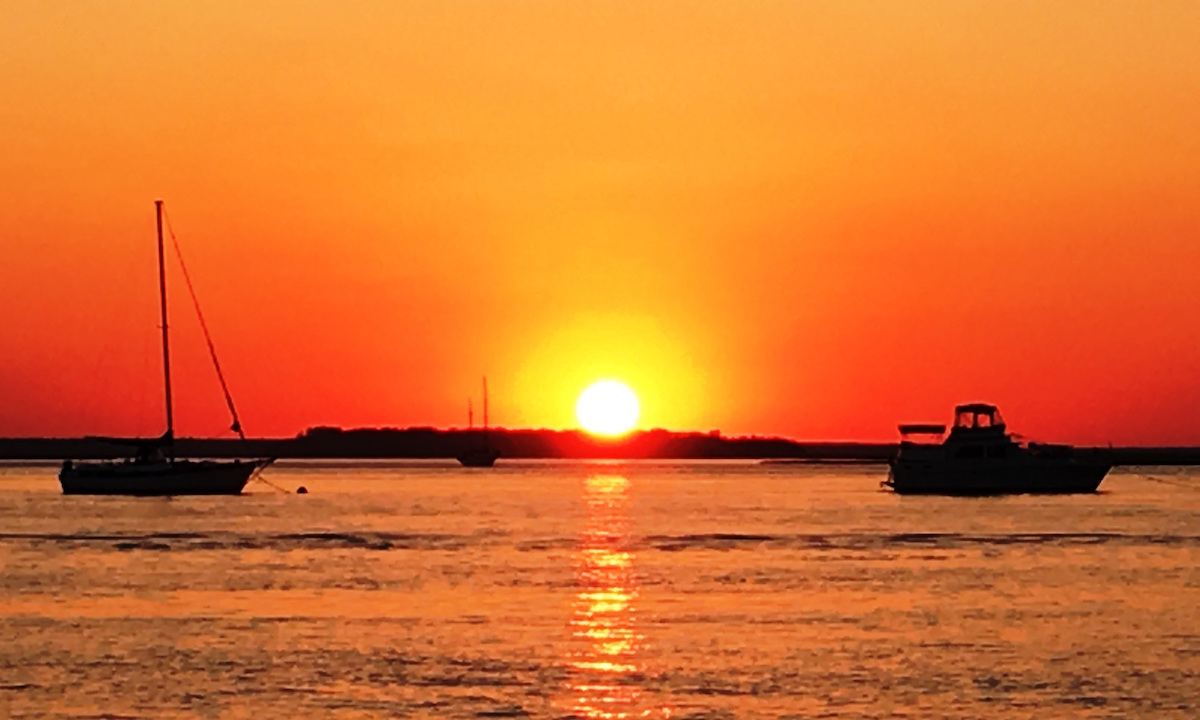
column 961, row 479
column 479, row 458
column 181, row 477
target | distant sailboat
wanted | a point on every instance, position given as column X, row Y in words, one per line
column 153, row 470
column 485, row 455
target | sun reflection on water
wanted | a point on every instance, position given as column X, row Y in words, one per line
column 605, row 670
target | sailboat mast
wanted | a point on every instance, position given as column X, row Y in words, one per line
column 162, row 303
column 485, row 404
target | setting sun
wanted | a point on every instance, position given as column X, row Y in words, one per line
column 607, row 407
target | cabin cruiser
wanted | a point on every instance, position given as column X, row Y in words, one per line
column 979, row 457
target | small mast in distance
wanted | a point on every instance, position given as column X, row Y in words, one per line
column 482, row 455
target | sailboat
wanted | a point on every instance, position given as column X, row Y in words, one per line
column 153, row 469
column 485, row 455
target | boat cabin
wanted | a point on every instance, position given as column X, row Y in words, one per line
column 978, row 431
column 977, row 416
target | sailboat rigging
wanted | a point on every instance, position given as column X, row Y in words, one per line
column 212, row 349
column 484, row 455
column 154, row 470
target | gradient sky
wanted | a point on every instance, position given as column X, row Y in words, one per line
column 808, row 219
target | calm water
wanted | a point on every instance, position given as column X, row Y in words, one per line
column 600, row 590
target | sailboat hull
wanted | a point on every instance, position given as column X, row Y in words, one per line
column 180, row 477
column 482, row 457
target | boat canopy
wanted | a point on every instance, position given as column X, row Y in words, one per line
column 151, row 443
column 922, row 429
column 977, row 416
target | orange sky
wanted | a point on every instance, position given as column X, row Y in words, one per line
column 807, row 219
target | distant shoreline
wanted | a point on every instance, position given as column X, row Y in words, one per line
column 516, row 444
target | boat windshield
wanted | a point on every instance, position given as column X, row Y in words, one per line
column 974, row 417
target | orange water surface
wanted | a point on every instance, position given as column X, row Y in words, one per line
column 556, row 590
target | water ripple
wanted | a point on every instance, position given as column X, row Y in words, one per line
column 173, row 541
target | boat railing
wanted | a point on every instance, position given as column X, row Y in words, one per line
column 921, row 433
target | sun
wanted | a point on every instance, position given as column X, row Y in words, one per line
column 607, row 407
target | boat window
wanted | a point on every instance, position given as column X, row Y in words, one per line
column 977, row 417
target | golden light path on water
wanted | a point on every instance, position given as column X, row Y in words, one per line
column 606, row 673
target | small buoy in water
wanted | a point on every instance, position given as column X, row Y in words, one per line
column 301, row 490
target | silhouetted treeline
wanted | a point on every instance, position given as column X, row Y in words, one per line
column 424, row 442
column 657, row 444
column 432, row 443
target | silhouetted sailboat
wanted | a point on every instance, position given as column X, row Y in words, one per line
column 153, row 470
column 485, row 455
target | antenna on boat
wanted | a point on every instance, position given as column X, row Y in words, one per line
column 470, row 415
column 162, row 303
column 485, row 404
